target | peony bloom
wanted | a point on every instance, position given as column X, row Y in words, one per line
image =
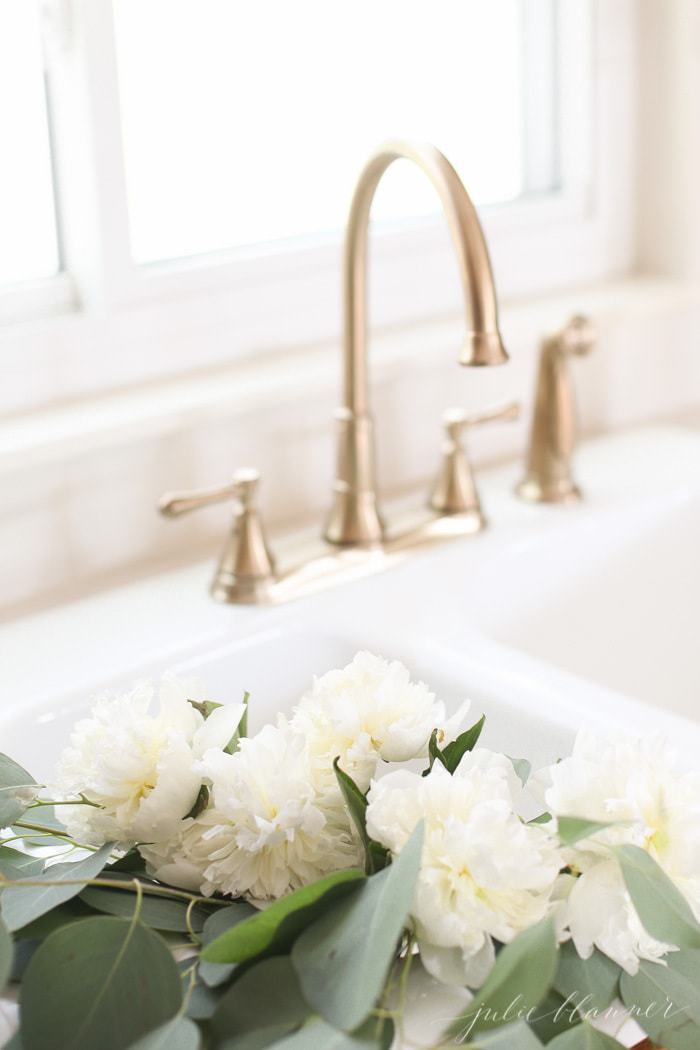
column 137, row 768
column 636, row 785
column 367, row 711
column 268, row 831
column 484, row 874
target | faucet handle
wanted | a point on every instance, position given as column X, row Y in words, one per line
column 455, row 491
column 246, row 569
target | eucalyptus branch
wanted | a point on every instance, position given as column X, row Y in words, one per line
column 53, row 833
column 148, row 889
column 82, row 800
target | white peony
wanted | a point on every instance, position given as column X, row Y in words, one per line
column 636, row 784
column 138, row 768
column 268, row 831
column 367, row 711
column 484, row 873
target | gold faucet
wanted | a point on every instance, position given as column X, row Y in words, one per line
column 359, row 543
column 548, row 476
column 355, row 518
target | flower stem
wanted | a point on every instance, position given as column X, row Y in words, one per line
column 135, row 886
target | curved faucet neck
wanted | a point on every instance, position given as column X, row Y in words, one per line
column 483, row 344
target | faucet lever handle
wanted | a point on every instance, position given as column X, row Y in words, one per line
column 242, row 488
column 457, row 419
column 246, row 569
column 455, row 490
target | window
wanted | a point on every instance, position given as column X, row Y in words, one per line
column 205, row 152
column 247, row 122
column 28, row 246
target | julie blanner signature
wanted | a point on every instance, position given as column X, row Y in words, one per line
column 575, row 1008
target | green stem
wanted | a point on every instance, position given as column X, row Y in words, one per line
column 52, row 833
column 149, row 889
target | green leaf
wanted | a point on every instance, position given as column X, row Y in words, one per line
column 274, row 930
column 434, row 753
column 374, row 1034
column 16, row 865
column 132, row 863
column 6, row 954
column 200, row 803
column 343, row 958
column 38, row 930
column 661, row 907
column 584, row 1037
column 178, row 1034
column 243, row 724
column 523, row 972
column 452, row 754
column 259, row 1039
column 574, row 829
column 160, row 912
column 265, row 996
column 99, row 984
column 513, row 1037
column 664, row 997
column 205, row 707
column 22, row 904
column 214, row 974
column 542, row 818
column 17, row 791
column 589, row 983
column 553, row 1016
column 523, row 768
column 376, row 856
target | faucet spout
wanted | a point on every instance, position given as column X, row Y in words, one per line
column 355, row 518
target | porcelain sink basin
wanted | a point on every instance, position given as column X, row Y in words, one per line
column 553, row 618
column 625, row 609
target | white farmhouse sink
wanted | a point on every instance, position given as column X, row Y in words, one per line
column 553, row 618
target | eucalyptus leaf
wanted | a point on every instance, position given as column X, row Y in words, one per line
column 267, row 995
column 160, row 912
column 683, row 1037
column 513, row 1037
column 273, row 930
column 17, row 791
column 376, row 856
column 589, row 983
column 575, row 829
column 16, row 865
column 343, row 958
column 98, row 984
column 523, row 769
column 259, row 1039
column 178, row 1034
column 215, row 974
column 38, row 930
column 22, row 904
column 584, row 1037
column 6, row 954
column 553, row 1016
column 374, row 1034
column 452, row 754
column 523, row 973
column 664, row 996
column 661, row 907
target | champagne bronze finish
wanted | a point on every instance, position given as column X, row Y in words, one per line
column 355, row 518
column 358, row 542
column 548, row 477
column 455, row 489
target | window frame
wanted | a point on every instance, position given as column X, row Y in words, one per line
column 106, row 323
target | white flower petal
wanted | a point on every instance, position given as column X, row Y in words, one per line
column 218, row 729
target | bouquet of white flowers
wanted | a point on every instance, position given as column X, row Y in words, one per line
column 184, row 885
